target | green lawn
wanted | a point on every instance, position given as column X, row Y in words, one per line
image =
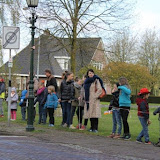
column 105, row 124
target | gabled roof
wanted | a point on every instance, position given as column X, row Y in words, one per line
column 49, row 48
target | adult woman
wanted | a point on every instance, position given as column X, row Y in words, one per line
column 93, row 88
column 67, row 93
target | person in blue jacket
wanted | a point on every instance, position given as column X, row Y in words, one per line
column 22, row 103
column 51, row 104
column 125, row 104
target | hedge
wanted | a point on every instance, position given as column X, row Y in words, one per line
column 152, row 99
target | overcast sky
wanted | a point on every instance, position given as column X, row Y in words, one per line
column 148, row 14
column 148, row 17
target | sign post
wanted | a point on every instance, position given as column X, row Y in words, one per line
column 10, row 40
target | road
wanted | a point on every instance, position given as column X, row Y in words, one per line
column 80, row 147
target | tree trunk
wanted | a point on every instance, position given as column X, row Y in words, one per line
column 73, row 52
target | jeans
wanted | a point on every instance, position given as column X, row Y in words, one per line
column 1, row 106
column 116, row 117
column 44, row 115
column 144, row 131
column 124, row 114
column 51, row 115
column 66, row 111
column 23, row 112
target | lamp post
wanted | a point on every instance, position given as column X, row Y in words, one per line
column 30, row 127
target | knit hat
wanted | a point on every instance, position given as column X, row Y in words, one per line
column 13, row 89
column 144, row 91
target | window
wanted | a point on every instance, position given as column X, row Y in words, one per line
column 63, row 62
column 97, row 65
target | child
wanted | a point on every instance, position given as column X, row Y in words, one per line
column 14, row 99
column 75, row 103
column 51, row 104
column 116, row 112
column 23, row 104
column 41, row 98
column 124, row 104
column 80, row 110
column 143, row 115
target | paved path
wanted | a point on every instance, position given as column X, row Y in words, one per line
column 25, row 148
column 73, row 146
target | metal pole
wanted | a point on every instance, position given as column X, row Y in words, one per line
column 9, row 89
column 30, row 108
column 39, row 47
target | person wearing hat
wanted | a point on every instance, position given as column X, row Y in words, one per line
column 14, row 99
column 143, row 115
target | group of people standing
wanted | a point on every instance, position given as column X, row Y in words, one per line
column 120, row 105
column 83, row 97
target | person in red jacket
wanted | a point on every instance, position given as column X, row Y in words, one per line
column 143, row 115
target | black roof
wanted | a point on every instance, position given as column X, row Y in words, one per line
column 50, row 47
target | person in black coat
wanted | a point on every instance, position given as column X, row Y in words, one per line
column 51, row 80
column 42, row 94
column 67, row 93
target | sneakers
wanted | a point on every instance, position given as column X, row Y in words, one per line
column 51, row 125
column 138, row 141
column 112, row 135
column 83, row 128
column 95, row 131
column 90, row 130
column 127, row 137
column 64, row 125
column 117, row 136
column 148, row 142
column 78, row 126
column 72, row 127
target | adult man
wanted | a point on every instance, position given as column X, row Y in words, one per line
column 51, row 81
column 2, row 95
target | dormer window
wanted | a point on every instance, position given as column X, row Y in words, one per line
column 63, row 61
column 97, row 65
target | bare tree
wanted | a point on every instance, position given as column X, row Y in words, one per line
column 149, row 54
column 122, row 48
column 82, row 18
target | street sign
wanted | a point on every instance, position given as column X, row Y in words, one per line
column 11, row 37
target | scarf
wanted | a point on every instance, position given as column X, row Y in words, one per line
column 40, row 90
column 87, row 85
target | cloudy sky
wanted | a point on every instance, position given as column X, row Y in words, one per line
column 148, row 14
column 147, row 17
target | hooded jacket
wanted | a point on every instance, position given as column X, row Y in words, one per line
column 77, row 88
column 52, row 101
column 23, row 98
column 14, row 99
column 143, row 108
column 124, row 96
